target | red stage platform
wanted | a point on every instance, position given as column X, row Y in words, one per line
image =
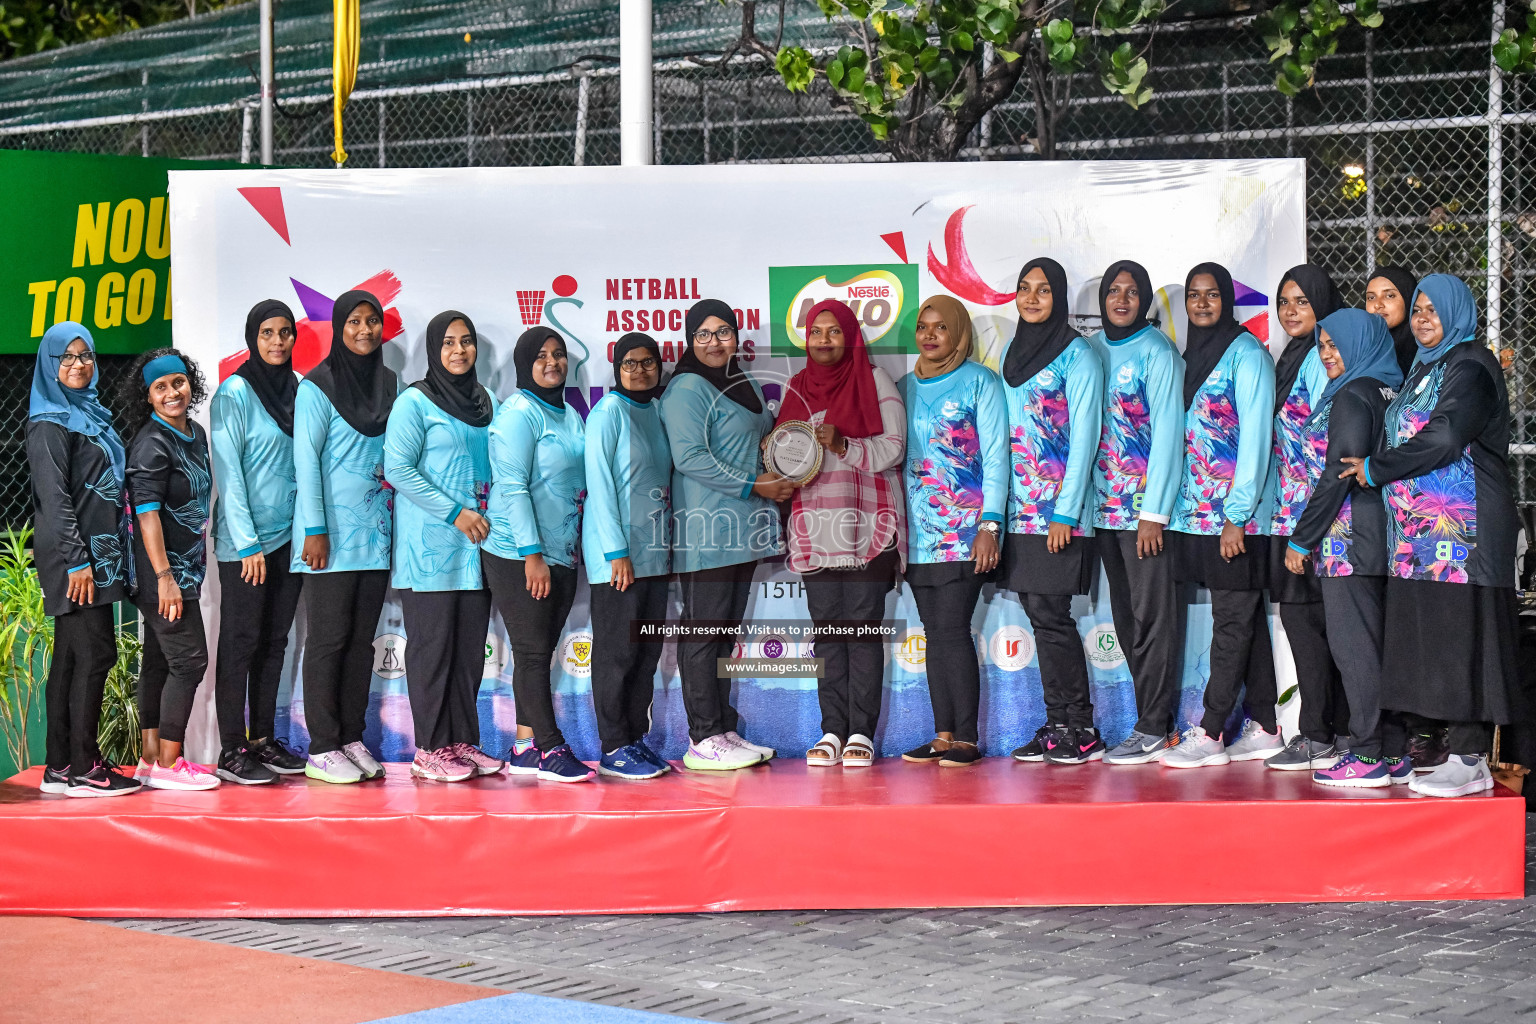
column 779, row 837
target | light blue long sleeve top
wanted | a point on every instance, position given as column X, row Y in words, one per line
column 716, row 519
column 439, row 466
column 253, row 467
column 538, row 481
column 1227, row 434
column 1297, row 454
column 1053, row 436
column 629, row 484
column 956, row 469
column 1141, row 441
column 341, row 487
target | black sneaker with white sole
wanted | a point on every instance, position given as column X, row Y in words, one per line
column 55, row 781
column 277, row 755
column 1034, row 750
column 102, row 780
column 238, row 766
column 1082, row 746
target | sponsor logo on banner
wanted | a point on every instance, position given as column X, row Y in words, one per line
column 389, row 655
column 882, row 296
column 1012, row 648
column 776, row 646
column 912, row 649
column 495, row 655
column 576, row 654
column 1103, row 647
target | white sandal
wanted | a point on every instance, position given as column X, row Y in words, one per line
column 827, row 753
column 859, row 752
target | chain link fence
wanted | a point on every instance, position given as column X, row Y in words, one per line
column 1417, row 150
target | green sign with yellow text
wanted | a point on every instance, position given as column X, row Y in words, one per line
column 882, row 295
column 86, row 238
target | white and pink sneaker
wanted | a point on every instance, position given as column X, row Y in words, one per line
column 441, row 766
column 142, row 772
column 183, row 775
column 484, row 764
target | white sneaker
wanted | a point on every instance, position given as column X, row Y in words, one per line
column 765, row 753
column 1461, row 775
column 718, row 754
column 332, row 766
column 1254, row 744
column 359, row 755
column 183, row 775
column 1196, row 750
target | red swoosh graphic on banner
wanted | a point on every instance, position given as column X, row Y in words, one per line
column 959, row 277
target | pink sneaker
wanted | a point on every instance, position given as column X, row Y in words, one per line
column 441, row 766
column 483, row 763
column 141, row 773
column 183, row 775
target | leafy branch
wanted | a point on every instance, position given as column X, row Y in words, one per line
column 1300, row 34
column 1515, row 49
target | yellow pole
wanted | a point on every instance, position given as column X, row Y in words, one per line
column 349, row 29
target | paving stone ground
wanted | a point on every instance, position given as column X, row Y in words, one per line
column 1365, row 962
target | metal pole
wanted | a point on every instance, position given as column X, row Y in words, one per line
column 1370, row 158
column 246, row 125
column 635, row 86
column 1495, row 187
column 583, row 85
column 268, row 81
column 985, row 140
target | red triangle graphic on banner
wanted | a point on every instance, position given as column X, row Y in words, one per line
column 1258, row 327
column 268, row 201
column 898, row 243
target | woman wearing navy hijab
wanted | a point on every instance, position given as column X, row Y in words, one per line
column 1451, row 615
column 80, row 549
column 1343, row 532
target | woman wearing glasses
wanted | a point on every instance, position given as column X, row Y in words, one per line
column 725, row 520
column 626, row 544
column 81, row 550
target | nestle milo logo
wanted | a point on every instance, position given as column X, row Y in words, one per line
column 882, row 296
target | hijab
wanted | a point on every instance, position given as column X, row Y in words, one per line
column 1035, row 346
column 1365, row 345
column 525, row 353
column 457, row 394
column 1318, row 287
column 1206, row 345
column 845, row 391
column 958, row 320
column 1403, row 341
column 275, row 386
column 77, row 410
column 361, row 388
column 623, row 347
column 1456, row 308
column 1143, row 285
column 729, row 379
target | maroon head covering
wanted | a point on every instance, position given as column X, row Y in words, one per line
column 845, row 390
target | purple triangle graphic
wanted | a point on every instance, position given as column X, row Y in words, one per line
column 316, row 306
column 1245, row 296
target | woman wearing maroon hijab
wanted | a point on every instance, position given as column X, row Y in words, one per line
column 847, row 534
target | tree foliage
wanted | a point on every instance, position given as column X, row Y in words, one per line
column 32, row 26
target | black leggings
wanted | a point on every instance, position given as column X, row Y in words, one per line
column 444, row 661
column 624, row 669
column 174, row 661
column 253, row 639
column 84, row 651
column 1325, row 716
column 342, row 609
column 722, row 594
column 1241, row 654
column 853, row 672
column 533, row 632
column 954, row 678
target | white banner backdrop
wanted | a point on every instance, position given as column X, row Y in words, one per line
column 596, row 252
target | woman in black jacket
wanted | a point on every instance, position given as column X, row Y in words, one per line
column 81, row 551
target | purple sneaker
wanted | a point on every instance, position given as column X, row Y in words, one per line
column 1399, row 770
column 526, row 763
column 1350, row 772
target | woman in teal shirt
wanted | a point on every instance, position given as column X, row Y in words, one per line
column 342, row 528
column 253, row 541
column 436, row 458
column 626, row 534
column 538, row 484
column 725, row 519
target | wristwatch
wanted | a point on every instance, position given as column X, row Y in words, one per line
column 991, row 527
